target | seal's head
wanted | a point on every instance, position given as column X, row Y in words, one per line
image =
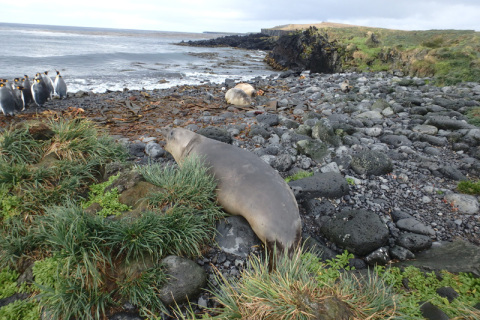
column 177, row 140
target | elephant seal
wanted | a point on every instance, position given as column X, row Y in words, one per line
column 246, row 186
column 248, row 88
column 237, row 97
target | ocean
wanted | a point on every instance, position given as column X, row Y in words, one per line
column 99, row 59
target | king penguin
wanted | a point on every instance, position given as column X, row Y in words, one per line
column 60, row 86
column 19, row 98
column 48, row 81
column 27, row 93
column 39, row 92
column 7, row 100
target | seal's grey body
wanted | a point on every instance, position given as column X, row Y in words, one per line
column 246, row 186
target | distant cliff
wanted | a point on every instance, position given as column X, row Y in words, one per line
column 451, row 56
column 307, row 50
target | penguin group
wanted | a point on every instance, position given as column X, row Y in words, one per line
column 17, row 95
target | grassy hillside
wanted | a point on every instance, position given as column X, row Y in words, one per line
column 451, row 56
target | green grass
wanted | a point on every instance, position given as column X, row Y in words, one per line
column 40, row 171
column 77, row 254
column 300, row 288
column 473, row 115
column 8, row 283
column 141, row 290
column 20, row 309
column 188, row 187
column 299, row 175
column 469, row 187
column 107, row 200
column 422, row 288
column 451, row 56
column 292, row 291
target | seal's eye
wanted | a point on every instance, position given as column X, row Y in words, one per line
column 171, row 133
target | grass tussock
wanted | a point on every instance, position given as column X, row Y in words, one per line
column 87, row 265
column 293, row 292
column 189, row 187
column 307, row 288
column 43, row 164
column 469, row 187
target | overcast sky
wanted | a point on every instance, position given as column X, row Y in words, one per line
column 243, row 15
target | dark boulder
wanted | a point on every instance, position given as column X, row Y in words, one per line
column 358, row 231
column 306, row 50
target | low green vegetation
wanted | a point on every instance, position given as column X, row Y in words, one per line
column 351, row 181
column 299, row 175
column 20, row 309
column 422, row 287
column 301, row 288
column 43, row 164
column 108, row 200
column 306, row 288
column 469, row 187
column 8, row 282
column 86, row 265
column 473, row 116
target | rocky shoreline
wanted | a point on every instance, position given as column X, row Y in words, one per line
column 386, row 157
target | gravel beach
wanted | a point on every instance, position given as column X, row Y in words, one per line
column 416, row 133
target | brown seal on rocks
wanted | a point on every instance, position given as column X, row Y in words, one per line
column 246, row 186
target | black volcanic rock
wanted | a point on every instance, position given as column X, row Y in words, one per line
column 307, row 50
column 254, row 41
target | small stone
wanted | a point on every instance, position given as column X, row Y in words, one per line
column 378, row 257
column 447, row 292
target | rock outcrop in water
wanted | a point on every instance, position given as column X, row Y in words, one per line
column 255, row 41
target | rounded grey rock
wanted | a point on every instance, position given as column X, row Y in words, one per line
column 465, row 203
column 328, row 184
column 185, row 280
column 414, row 242
column 358, row 231
column 154, row 150
column 371, row 163
column 216, row 134
column 268, row 119
column 415, row 226
column 401, row 253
